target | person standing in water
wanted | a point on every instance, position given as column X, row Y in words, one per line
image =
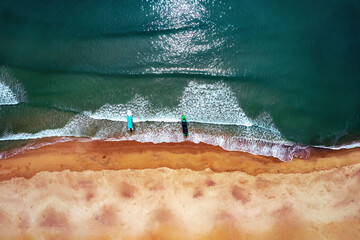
column 129, row 121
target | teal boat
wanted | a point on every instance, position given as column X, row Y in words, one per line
column 129, row 121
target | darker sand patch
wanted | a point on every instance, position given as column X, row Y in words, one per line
column 89, row 189
column 50, row 218
column 240, row 194
column 127, row 190
column 3, row 217
column 24, row 221
column 284, row 211
column 155, row 186
column 262, row 183
column 197, row 194
column 357, row 176
column 163, row 216
column 106, row 216
column 224, row 216
column 210, row 183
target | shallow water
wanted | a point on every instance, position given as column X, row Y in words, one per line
column 275, row 76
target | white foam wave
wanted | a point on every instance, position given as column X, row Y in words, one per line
column 11, row 91
column 74, row 128
column 215, row 71
column 30, row 146
column 7, row 97
column 340, row 147
column 168, row 133
column 157, row 132
column 203, row 103
column 212, row 104
column 60, row 132
column 140, row 107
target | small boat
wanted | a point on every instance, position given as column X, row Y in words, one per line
column 129, row 121
column 184, row 126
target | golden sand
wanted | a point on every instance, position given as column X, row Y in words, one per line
column 130, row 190
column 101, row 155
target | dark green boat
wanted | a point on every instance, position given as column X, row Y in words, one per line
column 184, row 126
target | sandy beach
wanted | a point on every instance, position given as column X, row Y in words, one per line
column 131, row 190
column 110, row 155
column 179, row 120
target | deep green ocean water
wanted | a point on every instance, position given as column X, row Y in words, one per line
column 266, row 77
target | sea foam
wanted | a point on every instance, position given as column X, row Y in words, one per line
column 203, row 103
column 211, row 110
column 11, row 91
column 7, row 97
column 248, row 139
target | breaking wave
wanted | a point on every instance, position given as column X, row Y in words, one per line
column 214, row 115
column 7, row 97
column 234, row 132
column 166, row 132
column 11, row 91
column 204, row 103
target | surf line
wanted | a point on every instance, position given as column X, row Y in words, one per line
column 130, row 124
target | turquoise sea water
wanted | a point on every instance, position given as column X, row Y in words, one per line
column 270, row 78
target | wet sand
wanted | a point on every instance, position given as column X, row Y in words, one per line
column 130, row 190
column 104, row 155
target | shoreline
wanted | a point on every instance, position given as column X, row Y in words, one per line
column 117, row 155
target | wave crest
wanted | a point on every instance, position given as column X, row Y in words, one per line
column 11, row 91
